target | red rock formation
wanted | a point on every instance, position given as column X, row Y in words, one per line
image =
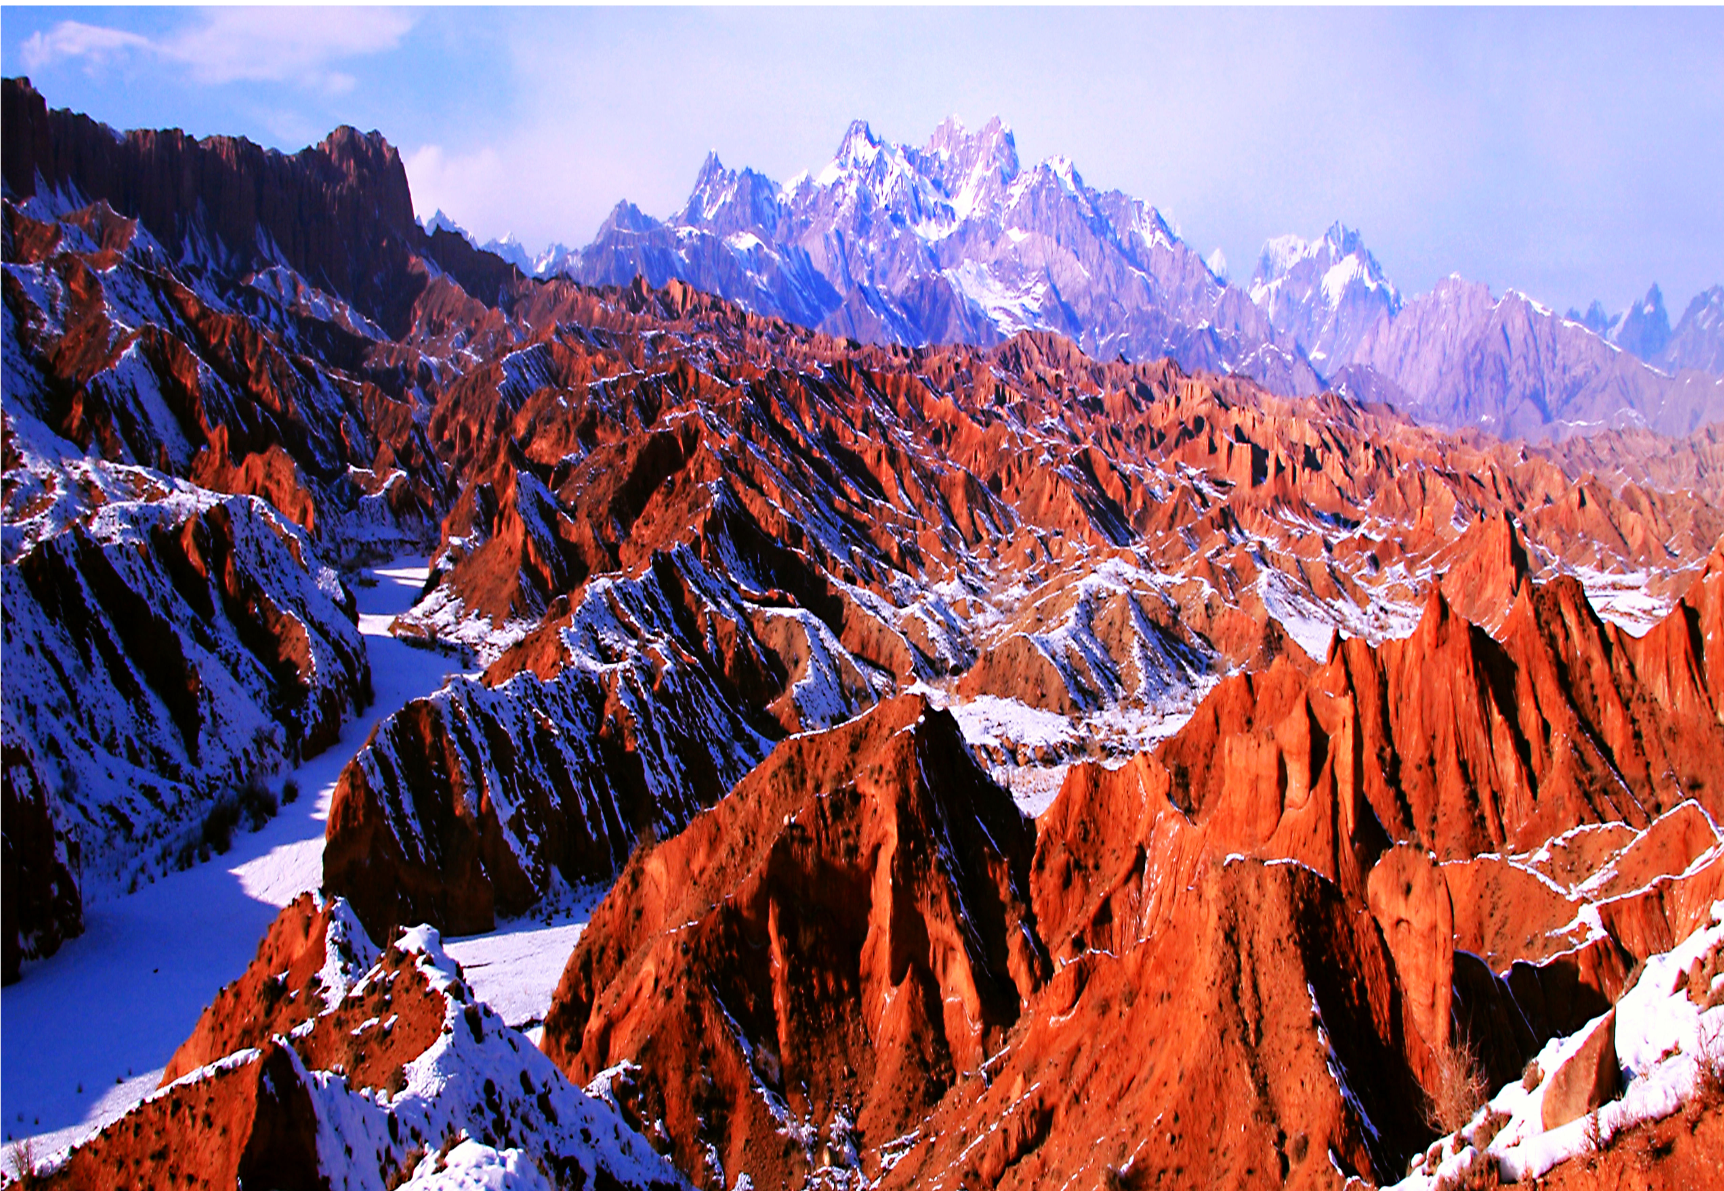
column 329, row 1064
column 592, row 454
column 283, row 987
column 802, row 972
column 249, row 1122
column 463, row 805
column 1409, row 898
column 1587, row 1078
column 691, row 530
column 1241, row 1043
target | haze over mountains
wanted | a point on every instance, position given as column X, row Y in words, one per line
column 956, row 241
column 980, row 764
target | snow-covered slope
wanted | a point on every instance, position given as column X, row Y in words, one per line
column 1655, row 1042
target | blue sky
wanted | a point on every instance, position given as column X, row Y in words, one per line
column 1569, row 153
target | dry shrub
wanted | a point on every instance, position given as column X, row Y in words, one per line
column 1597, row 1140
column 1708, row 1068
column 24, row 1162
column 1460, row 1087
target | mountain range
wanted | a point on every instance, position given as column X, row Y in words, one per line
column 956, row 241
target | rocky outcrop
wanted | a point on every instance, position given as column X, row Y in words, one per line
column 472, row 802
column 1469, row 745
column 800, row 975
column 1587, row 1078
column 329, row 1063
column 305, row 964
column 1410, row 899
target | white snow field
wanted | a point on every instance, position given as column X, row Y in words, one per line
column 515, row 968
column 88, row 1031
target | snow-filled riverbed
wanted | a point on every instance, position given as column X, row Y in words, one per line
column 88, row 1031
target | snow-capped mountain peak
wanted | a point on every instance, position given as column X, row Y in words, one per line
column 1326, row 291
column 510, row 248
column 1340, row 257
column 730, row 201
column 857, row 152
column 442, row 222
column 1280, row 255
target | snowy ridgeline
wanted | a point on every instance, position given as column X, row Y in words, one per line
column 481, row 1106
column 465, row 1100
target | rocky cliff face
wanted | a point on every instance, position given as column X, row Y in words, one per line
column 338, row 214
column 164, row 647
column 882, row 881
column 43, row 903
column 190, row 425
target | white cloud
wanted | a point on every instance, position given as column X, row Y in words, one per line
column 229, row 45
column 96, row 45
column 466, row 186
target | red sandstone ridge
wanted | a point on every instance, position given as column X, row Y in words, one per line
column 1256, row 1038
column 799, row 976
column 1464, row 744
column 292, row 980
column 331, row 1064
column 1195, row 897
